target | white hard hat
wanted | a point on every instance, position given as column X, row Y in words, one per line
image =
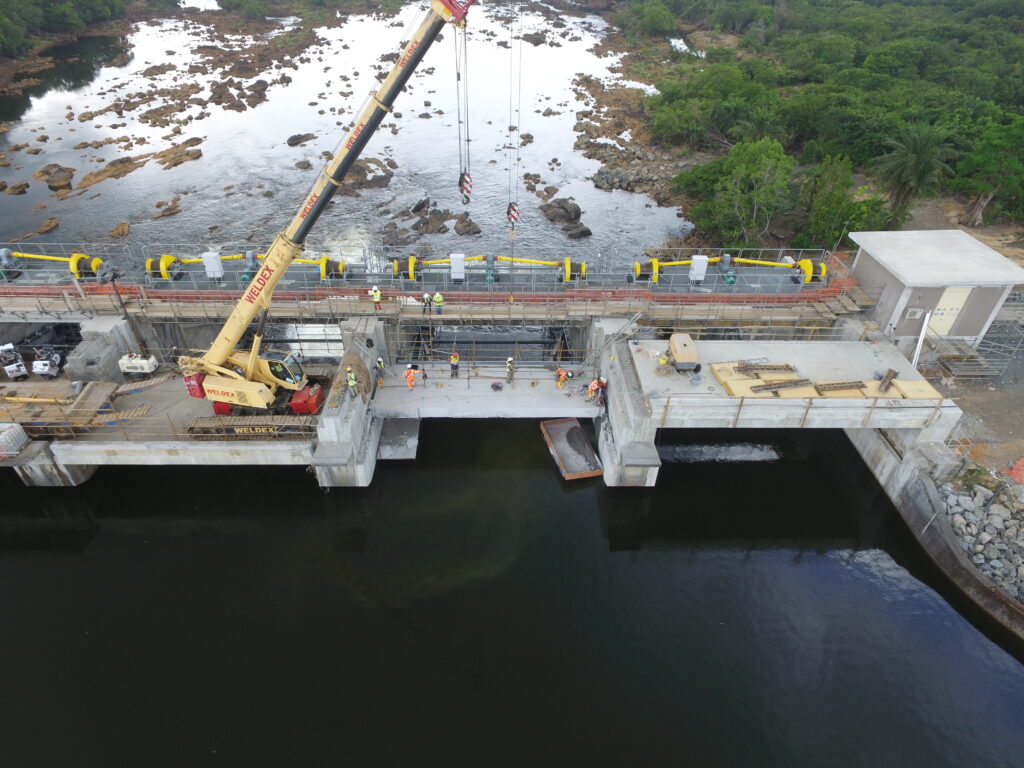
column 426, row 295
column 510, row 360
column 375, row 287
column 409, row 365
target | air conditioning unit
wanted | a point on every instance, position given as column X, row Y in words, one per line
column 914, row 314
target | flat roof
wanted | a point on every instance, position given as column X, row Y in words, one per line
column 939, row 257
column 819, row 361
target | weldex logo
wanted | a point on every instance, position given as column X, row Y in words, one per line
column 408, row 54
column 309, row 205
column 355, row 135
column 259, row 284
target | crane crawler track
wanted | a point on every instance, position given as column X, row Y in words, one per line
column 253, row 428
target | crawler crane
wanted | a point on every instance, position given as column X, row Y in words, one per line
column 237, row 380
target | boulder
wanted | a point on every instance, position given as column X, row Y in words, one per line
column 55, row 176
column 121, row 230
column 48, row 226
column 300, row 138
column 465, row 225
column 576, row 231
column 303, row 165
column 18, row 188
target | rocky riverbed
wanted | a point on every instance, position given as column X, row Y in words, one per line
column 210, row 99
column 990, row 528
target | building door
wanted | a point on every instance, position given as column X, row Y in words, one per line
column 948, row 310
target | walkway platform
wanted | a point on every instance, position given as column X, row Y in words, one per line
column 532, row 395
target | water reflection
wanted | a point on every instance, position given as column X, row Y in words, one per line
column 76, row 64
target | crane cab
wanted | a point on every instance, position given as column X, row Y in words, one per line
column 284, row 369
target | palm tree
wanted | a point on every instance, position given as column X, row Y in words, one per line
column 915, row 165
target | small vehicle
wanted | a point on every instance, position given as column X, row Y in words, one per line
column 682, row 353
column 48, row 362
column 12, row 363
column 135, row 365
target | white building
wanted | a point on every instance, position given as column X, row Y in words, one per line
column 959, row 280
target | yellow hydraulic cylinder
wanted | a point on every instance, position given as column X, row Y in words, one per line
column 86, row 269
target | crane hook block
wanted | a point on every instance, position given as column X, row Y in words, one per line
column 512, row 214
column 465, row 186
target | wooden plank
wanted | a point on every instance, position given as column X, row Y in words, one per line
column 798, row 392
column 726, row 372
column 916, row 390
column 872, row 390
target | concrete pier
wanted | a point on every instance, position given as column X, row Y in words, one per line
column 643, row 396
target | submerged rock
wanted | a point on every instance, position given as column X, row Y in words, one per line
column 55, row 176
column 48, row 226
column 300, row 138
column 465, row 225
column 121, row 230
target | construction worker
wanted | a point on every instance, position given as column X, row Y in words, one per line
column 510, row 370
column 376, row 297
column 426, row 304
column 410, row 376
column 353, row 383
column 381, row 367
column 438, row 301
column 560, row 377
column 453, row 361
column 596, row 386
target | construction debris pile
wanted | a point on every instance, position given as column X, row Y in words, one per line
column 755, row 379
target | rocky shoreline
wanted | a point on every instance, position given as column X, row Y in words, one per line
column 990, row 528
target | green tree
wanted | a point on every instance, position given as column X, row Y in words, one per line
column 651, row 17
column 995, row 168
column 832, row 211
column 742, row 193
column 916, row 165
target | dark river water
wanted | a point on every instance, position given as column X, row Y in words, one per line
column 473, row 609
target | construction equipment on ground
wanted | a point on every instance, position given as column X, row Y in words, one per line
column 808, row 270
column 13, row 363
column 273, row 380
column 80, row 265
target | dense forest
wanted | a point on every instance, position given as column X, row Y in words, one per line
column 924, row 95
column 20, row 19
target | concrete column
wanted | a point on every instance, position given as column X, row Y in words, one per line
column 626, row 434
column 104, row 341
column 38, row 468
column 348, row 434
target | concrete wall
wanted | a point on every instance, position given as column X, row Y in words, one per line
column 184, row 452
column 978, row 311
column 876, row 280
column 907, row 471
column 924, row 299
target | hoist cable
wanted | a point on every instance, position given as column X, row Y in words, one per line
column 514, row 112
column 462, row 110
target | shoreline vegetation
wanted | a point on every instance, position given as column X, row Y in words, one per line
column 790, row 122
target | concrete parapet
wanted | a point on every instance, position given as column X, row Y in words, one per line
column 162, row 453
column 38, row 467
